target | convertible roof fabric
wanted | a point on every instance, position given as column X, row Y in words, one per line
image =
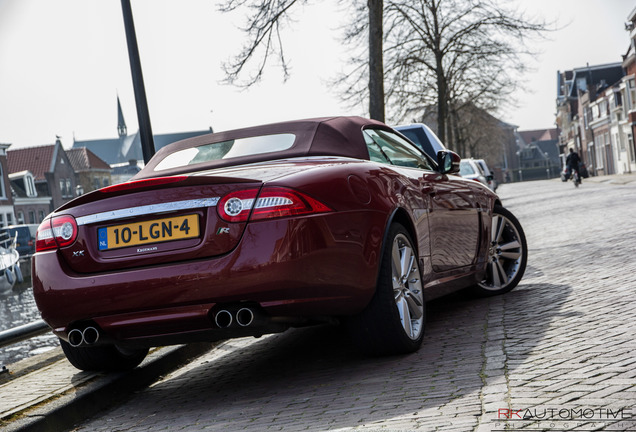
column 328, row 136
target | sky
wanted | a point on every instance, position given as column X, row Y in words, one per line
column 63, row 63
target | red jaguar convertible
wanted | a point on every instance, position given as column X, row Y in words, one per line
column 254, row 231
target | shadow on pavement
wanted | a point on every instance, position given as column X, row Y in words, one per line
column 315, row 375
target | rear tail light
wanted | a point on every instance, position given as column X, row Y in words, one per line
column 57, row 232
column 272, row 202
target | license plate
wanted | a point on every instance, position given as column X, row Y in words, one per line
column 152, row 231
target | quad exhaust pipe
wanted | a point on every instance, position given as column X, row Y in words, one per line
column 88, row 336
column 243, row 317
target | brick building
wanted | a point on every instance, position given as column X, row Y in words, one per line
column 52, row 174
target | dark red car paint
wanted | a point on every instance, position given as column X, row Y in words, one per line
column 293, row 269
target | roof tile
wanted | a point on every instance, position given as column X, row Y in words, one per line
column 35, row 159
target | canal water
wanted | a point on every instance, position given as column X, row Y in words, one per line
column 17, row 307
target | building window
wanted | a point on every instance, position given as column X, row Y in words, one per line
column 9, row 218
column 105, row 182
column 20, row 217
column 96, row 184
column 31, row 217
column 66, row 188
column 2, row 194
column 1, row 220
column 599, row 151
column 40, row 216
column 29, row 185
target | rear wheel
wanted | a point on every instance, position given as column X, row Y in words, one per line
column 393, row 322
column 507, row 255
column 103, row 357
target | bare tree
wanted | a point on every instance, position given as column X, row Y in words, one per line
column 454, row 53
column 266, row 18
column 477, row 134
column 376, row 66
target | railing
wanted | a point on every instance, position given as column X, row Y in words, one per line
column 20, row 333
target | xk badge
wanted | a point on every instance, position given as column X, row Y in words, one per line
column 78, row 253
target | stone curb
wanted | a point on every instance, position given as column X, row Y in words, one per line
column 102, row 392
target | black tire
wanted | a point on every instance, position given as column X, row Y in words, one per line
column 507, row 255
column 106, row 358
column 380, row 329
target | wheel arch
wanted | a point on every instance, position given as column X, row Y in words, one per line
column 401, row 216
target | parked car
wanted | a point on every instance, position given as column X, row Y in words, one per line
column 469, row 169
column 253, row 231
column 25, row 244
column 490, row 177
column 423, row 136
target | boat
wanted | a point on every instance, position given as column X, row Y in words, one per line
column 10, row 272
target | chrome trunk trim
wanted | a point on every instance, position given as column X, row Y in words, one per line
column 147, row 210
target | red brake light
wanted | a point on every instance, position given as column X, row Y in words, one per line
column 59, row 231
column 142, row 183
column 236, row 206
column 272, row 202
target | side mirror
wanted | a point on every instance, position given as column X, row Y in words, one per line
column 448, row 162
column 490, row 177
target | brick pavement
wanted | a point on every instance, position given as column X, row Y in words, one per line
column 559, row 347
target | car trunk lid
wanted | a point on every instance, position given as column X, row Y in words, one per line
column 152, row 222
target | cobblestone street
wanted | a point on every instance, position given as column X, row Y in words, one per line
column 558, row 350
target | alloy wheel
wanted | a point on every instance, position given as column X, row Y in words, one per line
column 505, row 254
column 407, row 286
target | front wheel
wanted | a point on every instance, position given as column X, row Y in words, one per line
column 507, row 255
column 393, row 322
column 103, row 357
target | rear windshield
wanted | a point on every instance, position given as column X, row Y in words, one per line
column 465, row 168
column 227, row 150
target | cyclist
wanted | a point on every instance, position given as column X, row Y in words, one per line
column 572, row 162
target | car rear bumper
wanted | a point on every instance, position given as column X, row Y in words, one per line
column 286, row 270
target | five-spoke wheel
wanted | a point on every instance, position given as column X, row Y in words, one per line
column 507, row 254
column 407, row 286
column 393, row 322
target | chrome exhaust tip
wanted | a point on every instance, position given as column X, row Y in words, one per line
column 244, row 317
column 75, row 338
column 91, row 335
column 223, row 319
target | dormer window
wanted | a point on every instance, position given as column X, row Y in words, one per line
column 29, row 186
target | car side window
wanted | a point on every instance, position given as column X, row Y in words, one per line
column 395, row 149
column 375, row 152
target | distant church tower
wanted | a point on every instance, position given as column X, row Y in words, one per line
column 121, row 123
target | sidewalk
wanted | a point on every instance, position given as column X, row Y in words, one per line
column 46, row 393
column 619, row 179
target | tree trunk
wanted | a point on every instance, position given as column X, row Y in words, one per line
column 442, row 105
column 376, row 70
